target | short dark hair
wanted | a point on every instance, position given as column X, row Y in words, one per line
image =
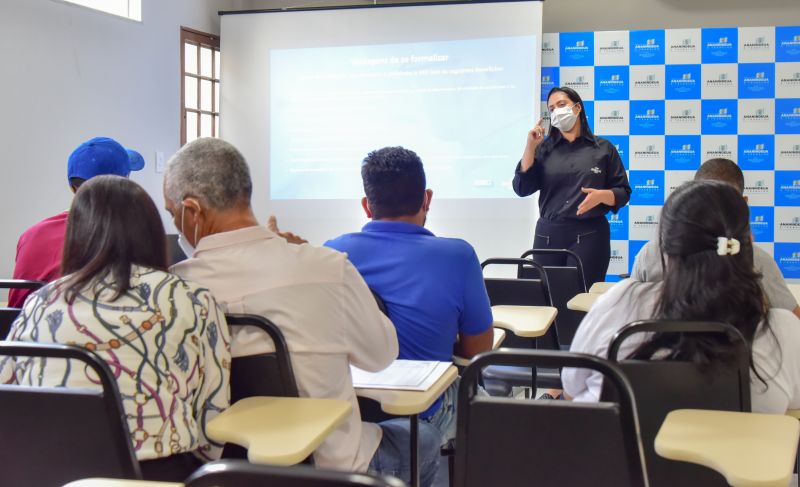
column 112, row 225
column 720, row 169
column 75, row 183
column 394, row 182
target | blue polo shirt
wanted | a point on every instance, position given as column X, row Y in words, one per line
column 432, row 286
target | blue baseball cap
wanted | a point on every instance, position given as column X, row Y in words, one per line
column 100, row 156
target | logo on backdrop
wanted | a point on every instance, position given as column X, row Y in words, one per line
column 756, row 152
column 618, row 223
column 683, row 152
column 611, row 82
column 787, row 43
column 685, row 45
column 613, row 47
column 787, row 255
column 790, row 152
column 787, row 116
column 761, row 223
column 787, row 185
column 648, row 187
column 647, row 117
column 760, row 43
column 683, row 81
column 550, row 80
column 576, row 48
column 720, row 45
column 684, row 116
column 647, row 47
column 719, row 117
column 788, row 226
column 757, row 80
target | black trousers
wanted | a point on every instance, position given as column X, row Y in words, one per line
column 590, row 239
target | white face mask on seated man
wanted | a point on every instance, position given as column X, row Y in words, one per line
column 183, row 242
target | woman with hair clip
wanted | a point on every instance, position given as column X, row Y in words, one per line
column 165, row 339
column 708, row 276
column 580, row 178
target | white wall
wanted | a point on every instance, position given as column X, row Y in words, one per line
column 68, row 74
column 584, row 15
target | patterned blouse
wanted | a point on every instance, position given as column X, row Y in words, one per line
column 165, row 340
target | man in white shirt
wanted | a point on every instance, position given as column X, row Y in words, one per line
column 316, row 297
column 648, row 266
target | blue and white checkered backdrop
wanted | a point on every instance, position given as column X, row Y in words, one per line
column 670, row 99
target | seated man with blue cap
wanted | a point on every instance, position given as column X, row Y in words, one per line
column 39, row 247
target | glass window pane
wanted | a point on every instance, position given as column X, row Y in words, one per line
column 216, row 126
column 205, row 126
column 205, row 62
column 190, row 58
column 190, row 92
column 205, row 95
column 216, row 97
column 217, row 64
column 191, row 126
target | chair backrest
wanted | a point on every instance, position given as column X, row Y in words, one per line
column 533, row 290
column 20, row 284
column 662, row 386
column 239, row 473
column 565, row 282
column 7, row 317
column 54, row 435
column 557, row 443
column 265, row 374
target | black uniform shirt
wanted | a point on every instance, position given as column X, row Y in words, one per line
column 561, row 168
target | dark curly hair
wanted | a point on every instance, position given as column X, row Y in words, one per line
column 394, row 182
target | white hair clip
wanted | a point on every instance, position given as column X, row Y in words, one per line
column 727, row 246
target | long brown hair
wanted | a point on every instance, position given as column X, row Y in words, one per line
column 112, row 225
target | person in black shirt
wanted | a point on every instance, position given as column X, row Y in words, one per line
column 580, row 178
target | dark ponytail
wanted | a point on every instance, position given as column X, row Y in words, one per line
column 701, row 285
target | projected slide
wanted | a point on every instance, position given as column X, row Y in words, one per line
column 464, row 106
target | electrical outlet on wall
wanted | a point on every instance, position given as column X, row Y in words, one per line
column 161, row 164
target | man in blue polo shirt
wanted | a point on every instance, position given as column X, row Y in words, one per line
column 432, row 286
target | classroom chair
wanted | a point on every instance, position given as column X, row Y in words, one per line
column 547, row 443
column 662, row 386
column 54, row 435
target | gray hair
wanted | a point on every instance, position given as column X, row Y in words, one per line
column 210, row 170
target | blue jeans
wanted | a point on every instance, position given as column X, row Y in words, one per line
column 393, row 456
column 444, row 419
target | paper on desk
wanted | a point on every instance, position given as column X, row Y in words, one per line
column 410, row 375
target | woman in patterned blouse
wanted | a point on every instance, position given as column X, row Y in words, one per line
column 165, row 339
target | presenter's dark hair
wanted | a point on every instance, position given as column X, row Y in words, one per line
column 112, row 224
column 701, row 285
column 724, row 170
column 394, row 182
column 574, row 97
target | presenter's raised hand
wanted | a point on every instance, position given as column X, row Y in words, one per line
column 535, row 137
column 272, row 225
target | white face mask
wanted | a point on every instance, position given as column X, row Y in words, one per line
column 563, row 118
column 183, row 242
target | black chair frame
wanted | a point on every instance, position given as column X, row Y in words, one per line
column 663, row 471
column 114, row 409
column 287, row 384
column 239, row 473
column 567, row 252
column 552, row 359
